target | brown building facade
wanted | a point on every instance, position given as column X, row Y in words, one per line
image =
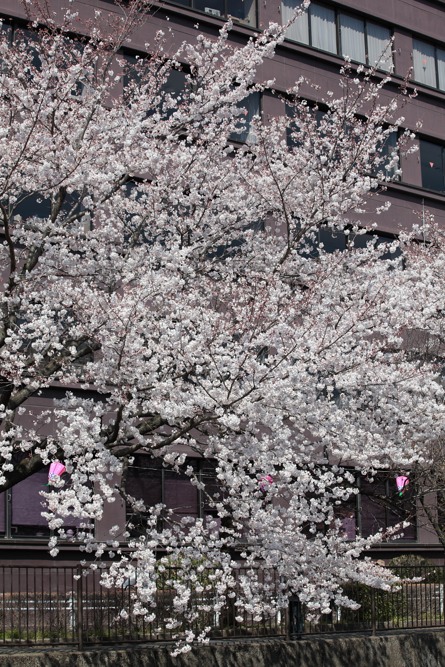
column 315, row 49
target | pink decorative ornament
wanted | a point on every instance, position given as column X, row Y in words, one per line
column 265, row 481
column 402, row 482
column 56, row 470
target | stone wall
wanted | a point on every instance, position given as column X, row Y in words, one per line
column 415, row 649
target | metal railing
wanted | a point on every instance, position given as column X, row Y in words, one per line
column 68, row 605
column 418, row 602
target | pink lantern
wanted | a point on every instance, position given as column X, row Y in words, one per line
column 56, row 471
column 402, row 482
column 264, row 482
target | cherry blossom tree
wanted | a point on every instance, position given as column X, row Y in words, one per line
column 184, row 277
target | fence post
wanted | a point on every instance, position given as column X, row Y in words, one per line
column 296, row 618
column 441, row 593
column 373, row 613
column 79, row 609
column 71, row 609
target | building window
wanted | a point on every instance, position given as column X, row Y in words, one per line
column 171, row 92
column 352, row 35
column 175, row 90
column 21, row 509
column 429, row 64
column 27, row 506
column 322, row 238
column 432, row 162
column 384, row 242
column 387, row 157
column 345, row 35
column 2, row 513
column 28, row 39
column 6, row 31
column 388, row 152
column 322, row 28
column 333, row 240
column 293, row 133
column 382, row 506
column 347, row 514
column 379, row 505
column 69, row 208
column 148, row 480
column 250, row 106
column 241, row 11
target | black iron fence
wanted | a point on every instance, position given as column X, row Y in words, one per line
column 68, row 605
column 418, row 602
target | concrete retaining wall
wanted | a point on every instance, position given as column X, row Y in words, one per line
column 417, row 649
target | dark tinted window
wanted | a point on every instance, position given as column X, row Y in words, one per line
column 27, row 506
column 432, row 165
column 383, row 506
column 148, row 480
column 250, row 106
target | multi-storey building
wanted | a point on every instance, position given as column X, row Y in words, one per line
column 314, row 49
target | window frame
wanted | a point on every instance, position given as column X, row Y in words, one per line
column 221, row 15
column 338, row 13
column 391, row 508
column 202, row 470
column 17, row 524
column 391, row 512
column 437, row 76
column 423, row 143
column 245, row 135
